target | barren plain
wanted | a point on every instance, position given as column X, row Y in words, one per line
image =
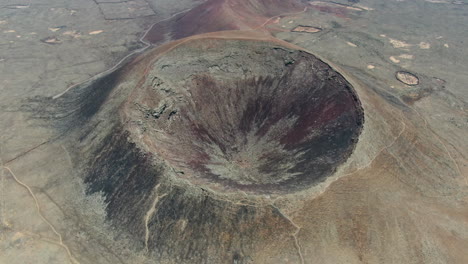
column 229, row 131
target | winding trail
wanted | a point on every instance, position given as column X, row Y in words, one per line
column 294, row 235
column 298, row 228
column 439, row 138
column 39, row 210
column 280, row 15
column 150, row 213
column 119, row 63
column 403, row 128
column 148, row 45
column 152, row 210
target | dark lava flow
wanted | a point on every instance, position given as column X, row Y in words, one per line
column 262, row 119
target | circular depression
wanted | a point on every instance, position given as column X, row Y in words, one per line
column 246, row 115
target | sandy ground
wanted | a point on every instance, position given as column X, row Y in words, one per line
column 48, row 46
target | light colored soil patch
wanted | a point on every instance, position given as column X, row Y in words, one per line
column 407, row 78
column 306, row 29
column 438, row 1
column 399, row 44
column 95, row 32
column 406, row 56
column 72, row 33
column 364, row 7
column 55, row 29
column 424, row 45
column 394, row 60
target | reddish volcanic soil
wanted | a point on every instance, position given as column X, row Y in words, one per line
column 220, row 15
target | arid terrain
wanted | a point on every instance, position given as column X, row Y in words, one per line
column 230, row 131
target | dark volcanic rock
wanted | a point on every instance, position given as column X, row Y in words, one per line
column 252, row 116
column 170, row 143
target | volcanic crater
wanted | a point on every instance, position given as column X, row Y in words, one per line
column 245, row 115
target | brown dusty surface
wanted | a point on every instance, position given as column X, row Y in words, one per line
column 82, row 182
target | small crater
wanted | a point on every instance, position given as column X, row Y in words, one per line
column 306, row 29
column 407, row 78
